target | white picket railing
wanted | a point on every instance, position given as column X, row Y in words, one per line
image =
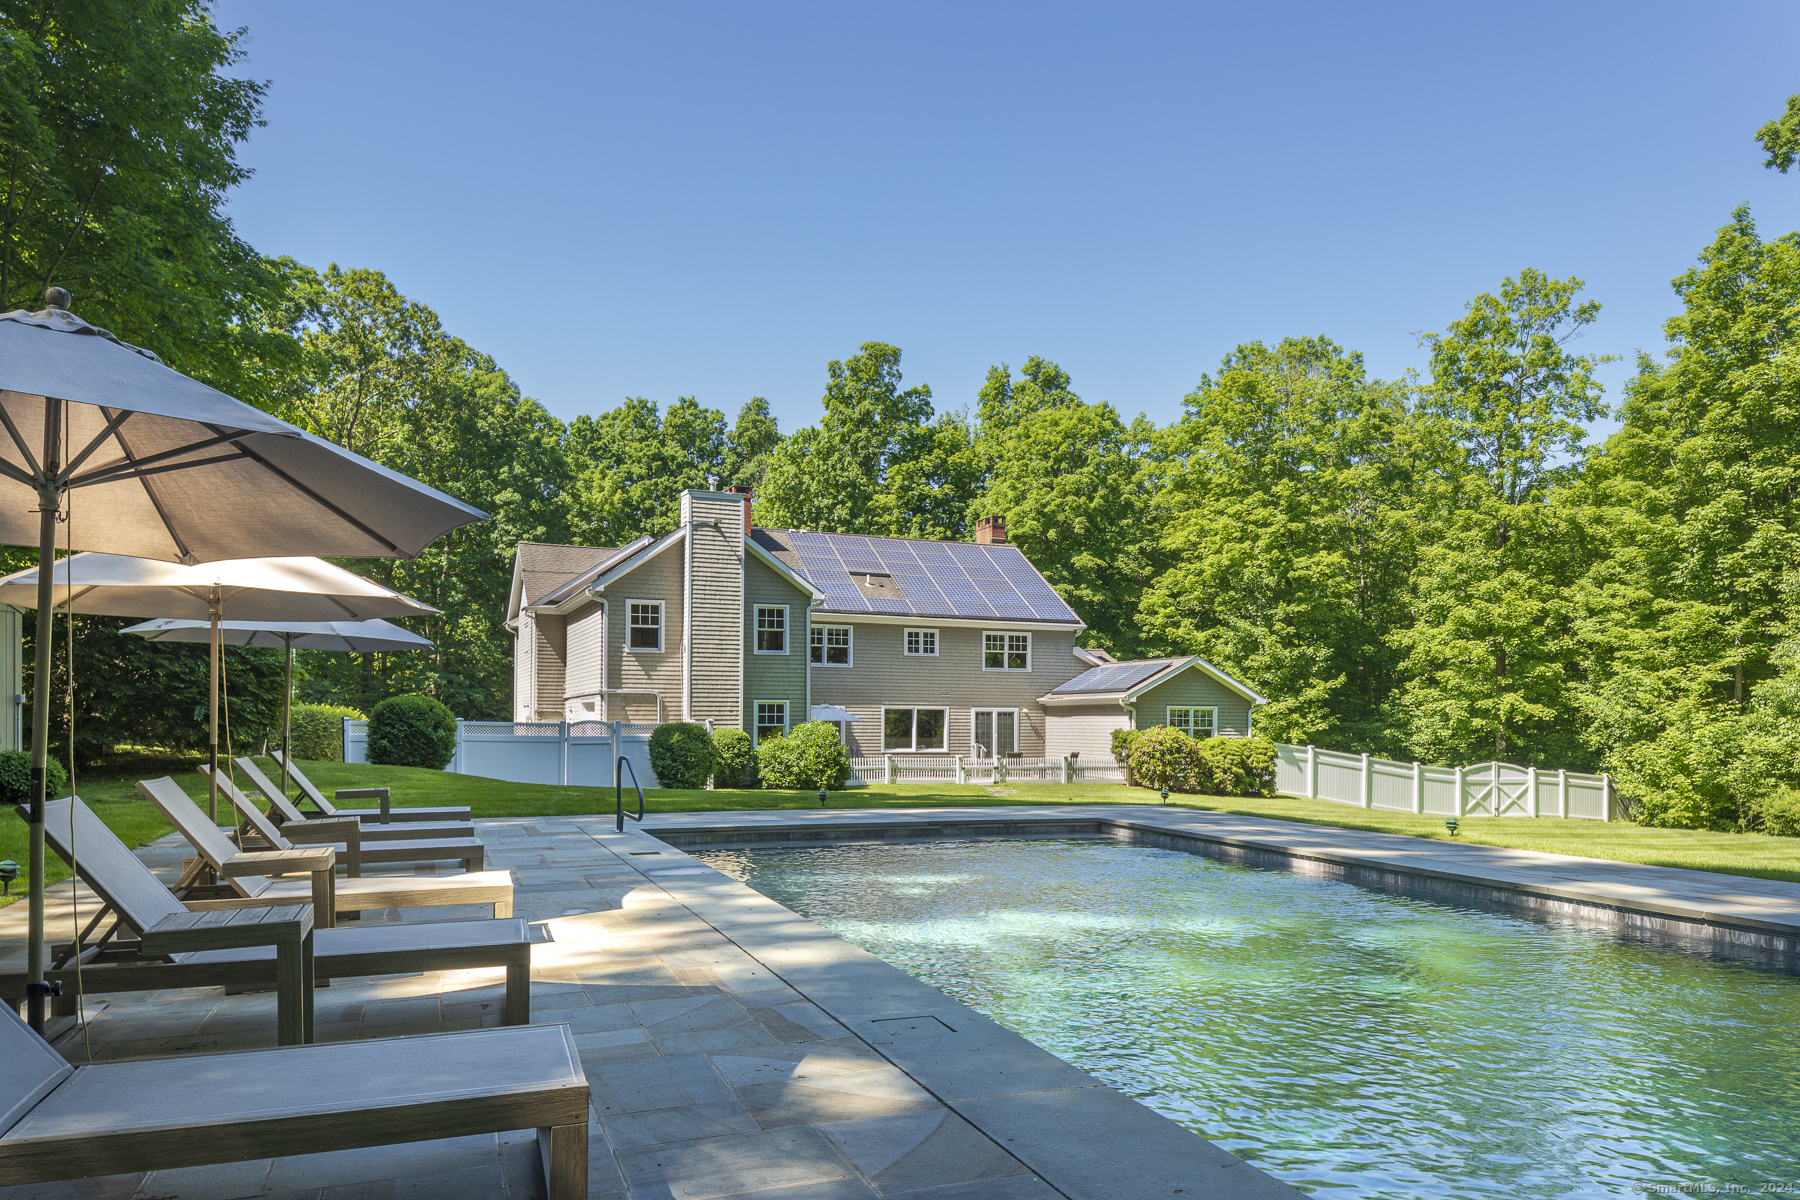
column 1490, row 789
column 921, row 768
column 579, row 753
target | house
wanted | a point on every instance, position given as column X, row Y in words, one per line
column 942, row 648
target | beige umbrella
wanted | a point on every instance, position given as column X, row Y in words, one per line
column 342, row 637
column 178, row 471
column 255, row 589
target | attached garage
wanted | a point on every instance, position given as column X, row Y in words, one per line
column 1188, row 693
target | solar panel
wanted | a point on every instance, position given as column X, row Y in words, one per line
column 952, row 579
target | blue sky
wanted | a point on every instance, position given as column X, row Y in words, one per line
column 713, row 199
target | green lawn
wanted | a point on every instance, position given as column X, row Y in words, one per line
column 110, row 791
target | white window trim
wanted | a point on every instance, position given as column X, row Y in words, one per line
column 1009, row 634
column 931, row 653
column 990, row 709
column 787, row 632
column 1171, row 710
column 915, row 709
column 787, row 718
column 662, row 615
column 822, row 630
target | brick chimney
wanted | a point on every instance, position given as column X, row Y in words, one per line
column 740, row 489
column 990, row 531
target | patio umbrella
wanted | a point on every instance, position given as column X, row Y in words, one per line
column 269, row 589
column 355, row 637
column 180, row 472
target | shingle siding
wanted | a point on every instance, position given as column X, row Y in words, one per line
column 1194, row 688
column 585, row 636
column 551, row 669
column 954, row 679
column 769, row 677
column 1085, row 730
column 657, row 579
column 715, row 522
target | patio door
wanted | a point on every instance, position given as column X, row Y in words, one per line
column 996, row 733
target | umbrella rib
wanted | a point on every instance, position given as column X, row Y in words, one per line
column 113, row 475
column 31, row 461
column 161, row 513
column 11, row 472
column 132, row 465
column 112, row 426
column 322, row 501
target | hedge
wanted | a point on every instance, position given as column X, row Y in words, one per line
column 412, row 731
column 319, row 731
column 812, row 757
column 681, row 754
column 733, row 755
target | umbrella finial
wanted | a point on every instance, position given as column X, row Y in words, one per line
column 56, row 298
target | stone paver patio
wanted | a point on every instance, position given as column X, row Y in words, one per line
column 735, row 1049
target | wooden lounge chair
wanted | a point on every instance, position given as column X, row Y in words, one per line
column 155, row 1114
column 136, row 900
column 286, row 814
column 383, row 815
column 248, row 873
column 345, row 835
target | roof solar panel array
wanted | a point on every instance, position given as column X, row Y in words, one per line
column 937, row 579
column 1114, row 677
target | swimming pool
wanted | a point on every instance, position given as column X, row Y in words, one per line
column 1343, row 1040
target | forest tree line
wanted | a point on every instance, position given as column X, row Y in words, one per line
column 1439, row 566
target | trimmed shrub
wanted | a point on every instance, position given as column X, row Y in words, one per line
column 733, row 755
column 1122, row 740
column 1236, row 766
column 1166, row 757
column 411, row 731
column 811, row 757
column 15, row 777
column 319, row 731
column 681, row 754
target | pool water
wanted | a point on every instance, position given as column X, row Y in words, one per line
column 1344, row 1040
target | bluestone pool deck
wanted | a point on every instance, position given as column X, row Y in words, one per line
column 736, row 1049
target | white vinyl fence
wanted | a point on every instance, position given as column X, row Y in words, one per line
column 581, row 753
column 1490, row 789
column 922, row 768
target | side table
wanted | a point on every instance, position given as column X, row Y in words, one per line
column 288, row 928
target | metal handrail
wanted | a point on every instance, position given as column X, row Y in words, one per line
column 619, row 792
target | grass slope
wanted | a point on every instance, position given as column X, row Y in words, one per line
column 111, row 792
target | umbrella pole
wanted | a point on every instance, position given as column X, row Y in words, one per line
column 287, row 716
column 212, row 704
column 49, row 500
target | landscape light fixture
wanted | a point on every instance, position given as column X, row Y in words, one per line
column 1165, row 793
column 1451, row 823
column 9, row 871
column 821, row 797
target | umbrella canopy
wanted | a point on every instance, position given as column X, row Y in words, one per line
column 251, row 589
column 176, row 471
column 356, row 637
column 172, row 469
column 830, row 712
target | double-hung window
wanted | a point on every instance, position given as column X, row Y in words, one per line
column 771, row 628
column 1006, row 652
column 831, row 645
column 1195, row 722
column 920, row 641
column 644, row 624
column 910, row 729
column 771, row 718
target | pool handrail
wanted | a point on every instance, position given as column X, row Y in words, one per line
column 619, row 792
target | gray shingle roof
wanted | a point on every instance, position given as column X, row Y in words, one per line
column 913, row 577
column 545, row 567
column 1116, row 677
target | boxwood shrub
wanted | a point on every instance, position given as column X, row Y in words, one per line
column 15, row 777
column 681, row 754
column 319, row 731
column 811, row 757
column 411, row 731
column 734, row 756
